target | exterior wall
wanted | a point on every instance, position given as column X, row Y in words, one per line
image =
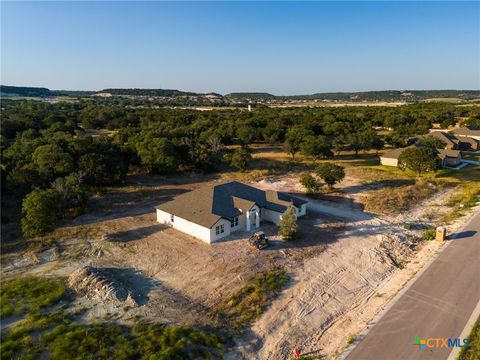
column 275, row 217
column 186, row 226
column 209, row 235
column 302, row 211
column 242, row 223
column 450, row 161
column 226, row 224
column 271, row 216
column 388, row 161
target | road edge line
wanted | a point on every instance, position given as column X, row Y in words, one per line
column 466, row 331
column 399, row 294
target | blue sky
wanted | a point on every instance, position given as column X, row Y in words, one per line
column 278, row 47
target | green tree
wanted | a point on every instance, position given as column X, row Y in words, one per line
column 432, row 142
column 395, row 140
column 446, row 119
column 338, row 144
column 309, row 183
column 51, row 161
column 246, row 134
column 418, row 159
column 356, row 142
column 288, row 224
column 100, row 169
column 41, row 212
column 315, row 147
column 157, row 155
column 241, row 158
column 23, row 178
column 294, row 138
column 72, row 192
column 330, row 173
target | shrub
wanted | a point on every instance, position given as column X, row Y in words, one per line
column 52, row 334
column 241, row 158
column 24, row 295
column 250, row 301
column 429, row 234
column 309, row 183
column 288, row 225
column 41, row 212
column 330, row 173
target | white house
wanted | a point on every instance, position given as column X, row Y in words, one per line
column 214, row 212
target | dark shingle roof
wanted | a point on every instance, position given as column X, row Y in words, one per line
column 448, row 139
column 207, row 205
column 466, row 132
column 442, row 153
column 393, row 154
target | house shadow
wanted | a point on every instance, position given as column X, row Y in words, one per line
column 119, row 204
column 135, row 234
column 152, row 180
column 335, row 206
column 462, row 235
column 309, row 235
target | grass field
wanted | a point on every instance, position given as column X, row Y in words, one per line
column 43, row 326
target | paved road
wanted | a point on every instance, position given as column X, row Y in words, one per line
column 437, row 305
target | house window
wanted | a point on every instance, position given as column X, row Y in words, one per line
column 172, row 218
column 234, row 221
column 220, row 229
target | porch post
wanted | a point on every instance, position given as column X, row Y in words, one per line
column 248, row 220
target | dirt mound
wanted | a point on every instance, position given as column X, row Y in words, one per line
column 102, row 285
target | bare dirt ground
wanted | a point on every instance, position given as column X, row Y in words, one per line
column 173, row 277
column 344, row 268
column 335, row 294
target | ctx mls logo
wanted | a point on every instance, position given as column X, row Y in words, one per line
column 439, row 343
column 420, row 342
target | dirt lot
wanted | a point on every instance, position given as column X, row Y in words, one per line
column 183, row 279
column 344, row 268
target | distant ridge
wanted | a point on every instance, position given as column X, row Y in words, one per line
column 148, row 92
column 25, row 91
column 39, row 91
column 384, row 95
column 250, row 95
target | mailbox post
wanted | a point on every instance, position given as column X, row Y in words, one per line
column 441, row 234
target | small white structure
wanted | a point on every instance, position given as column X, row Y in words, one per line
column 214, row 212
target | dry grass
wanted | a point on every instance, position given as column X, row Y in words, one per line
column 248, row 303
column 387, row 201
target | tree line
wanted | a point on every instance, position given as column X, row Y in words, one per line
column 49, row 158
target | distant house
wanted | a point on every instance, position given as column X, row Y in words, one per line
column 213, row 212
column 446, row 157
column 451, row 142
column 457, row 141
column 466, row 132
